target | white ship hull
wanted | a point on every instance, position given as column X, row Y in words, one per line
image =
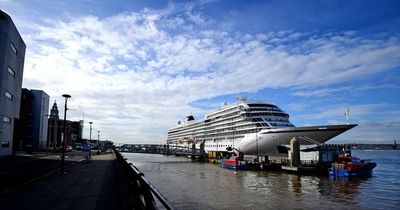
column 266, row 142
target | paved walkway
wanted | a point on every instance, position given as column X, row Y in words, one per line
column 19, row 170
column 91, row 184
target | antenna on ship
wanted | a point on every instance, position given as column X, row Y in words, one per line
column 346, row 114
column 242, row 99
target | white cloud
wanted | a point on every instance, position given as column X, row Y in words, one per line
column 129, row 65
column 356, row 111
column 321, row 92
column 296, row 106
column 330, row 91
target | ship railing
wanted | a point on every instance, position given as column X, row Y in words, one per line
column 138, row 192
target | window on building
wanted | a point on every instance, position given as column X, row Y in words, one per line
column 5, row 144
column 13, row 48
column 6, row 119
column 11, row 71
column 8, row 95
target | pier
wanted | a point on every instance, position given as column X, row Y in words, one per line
column 165, row 149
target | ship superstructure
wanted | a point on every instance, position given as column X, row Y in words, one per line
column 252, row 127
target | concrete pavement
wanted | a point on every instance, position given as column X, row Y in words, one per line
column 21, row 169
column 89, row 184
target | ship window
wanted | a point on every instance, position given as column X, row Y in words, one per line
column 12, row 72
column 13, row 48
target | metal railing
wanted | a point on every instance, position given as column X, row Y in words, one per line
column 141, row 190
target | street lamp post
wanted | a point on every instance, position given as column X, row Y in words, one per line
column 98, row 139
column 233, row 138
column 48, row 138
column 66, row 96
column 90, row 139
column 257, row 145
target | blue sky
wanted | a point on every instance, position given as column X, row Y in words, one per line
column 135, row 68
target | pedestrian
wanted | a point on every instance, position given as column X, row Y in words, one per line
column 85, row 149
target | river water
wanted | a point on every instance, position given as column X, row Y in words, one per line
column 196, row 185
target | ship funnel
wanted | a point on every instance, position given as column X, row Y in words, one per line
column 189, row 118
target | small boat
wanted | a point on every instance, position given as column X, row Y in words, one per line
column 235, row 162
column 349, row 166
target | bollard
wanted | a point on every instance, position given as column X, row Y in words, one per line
column 202, row 152
column 193, row 156
column 295, row 152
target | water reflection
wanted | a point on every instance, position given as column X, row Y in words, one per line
column 294, row 184
column 344, row 185
column 343, row 189
column 193, row 185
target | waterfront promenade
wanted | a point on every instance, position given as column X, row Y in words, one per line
column 34, row 182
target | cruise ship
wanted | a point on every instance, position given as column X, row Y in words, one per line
column 252, row 127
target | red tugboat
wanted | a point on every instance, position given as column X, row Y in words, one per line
column 235, row 162
column 349, row 166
